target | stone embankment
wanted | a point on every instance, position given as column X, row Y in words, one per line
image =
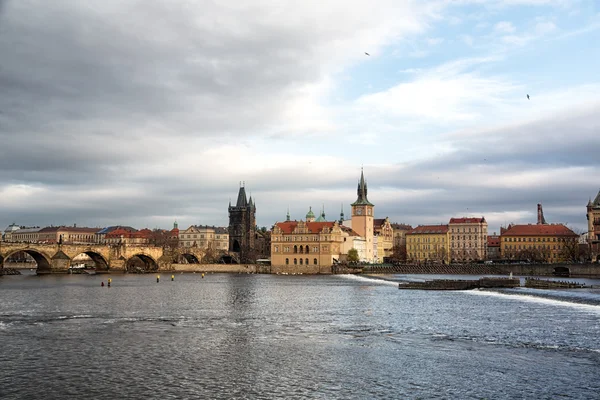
column 462, row 284
column 9, row 271
column 550, row 284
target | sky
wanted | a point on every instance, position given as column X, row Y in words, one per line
column 143, row 113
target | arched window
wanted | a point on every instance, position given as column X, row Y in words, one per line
column 307, row 250
column 315, row 261
column 300, row 261
column 287, row 261
column 295, row 249
column 301, row 249
column 307, row 261
column 295, row 261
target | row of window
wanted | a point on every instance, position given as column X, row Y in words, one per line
column 315, row 238
column 511, row 239
column 287, row 261
column 427, row 240
column 464, row 237
column 301, row 249
column 190, row 236
column 540, row 246
column 464, row 230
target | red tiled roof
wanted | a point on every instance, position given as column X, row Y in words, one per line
column 493, row 241
column 313, row 227
column 467, row 220
column 428, row 229
column 118, row 233
column 378, row 222
column 539, row 230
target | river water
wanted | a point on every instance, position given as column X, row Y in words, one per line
column 229, row 336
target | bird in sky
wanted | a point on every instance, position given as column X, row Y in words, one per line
column 367, row 54
column 527, row 97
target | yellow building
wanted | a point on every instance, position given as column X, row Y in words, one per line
column 468, row 239
column 428, row 243
column 539, row 242
column 317, row 244
column 205, row 237
column 385, row 237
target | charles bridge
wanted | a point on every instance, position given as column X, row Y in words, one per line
column 57, row 258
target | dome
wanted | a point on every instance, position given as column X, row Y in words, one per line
column 310, row 214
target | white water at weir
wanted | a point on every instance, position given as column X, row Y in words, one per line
column 535, row 299
column 365, row 279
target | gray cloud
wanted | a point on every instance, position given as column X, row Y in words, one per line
column 110, row 114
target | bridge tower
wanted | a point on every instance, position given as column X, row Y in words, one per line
column 242, row 226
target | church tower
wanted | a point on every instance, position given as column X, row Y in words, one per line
column 242, row 226
column 362, row 216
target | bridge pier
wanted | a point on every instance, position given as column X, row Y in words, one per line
column 117, row 266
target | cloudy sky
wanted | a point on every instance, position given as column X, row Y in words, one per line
column 145, row 112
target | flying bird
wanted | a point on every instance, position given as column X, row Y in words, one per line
column 367, row 54
column 527, row 97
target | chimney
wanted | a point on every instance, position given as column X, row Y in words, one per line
column 540, row 215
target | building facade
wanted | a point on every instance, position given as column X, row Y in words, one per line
column 205, row 237
column 29, row 235
column 428, row 243
column 593, row 234
column 68, row 234
column 493, row 247
column 384, row 234
column 242, row 227
column 124, row 236
column 540, row 242
column 306, row 243
column 468, row 239
column 7, row 234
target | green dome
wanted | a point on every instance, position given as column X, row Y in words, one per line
column 310, row 214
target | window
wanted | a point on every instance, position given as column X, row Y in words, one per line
column 306, row 261
column 295, row 261
column 287, row 261
column 295, row 249
column 315, row 261
column 300, row 261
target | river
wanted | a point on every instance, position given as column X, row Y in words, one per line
column 229, row 336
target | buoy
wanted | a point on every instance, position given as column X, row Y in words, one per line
column 172, row 277
column 203, row 275
column 102, row 284
column 157, row 278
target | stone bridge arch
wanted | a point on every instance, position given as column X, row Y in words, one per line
column 43, row 260
column 189, row 258
column 141, row 263
column 97, row 258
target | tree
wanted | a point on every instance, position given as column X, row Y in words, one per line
column 353, row 255
column 570, row 251
column 164, row 239
column 399, row 253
